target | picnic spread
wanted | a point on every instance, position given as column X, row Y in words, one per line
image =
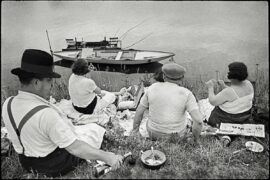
column 91, row 128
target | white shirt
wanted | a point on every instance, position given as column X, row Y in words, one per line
column 43, row 132
column 81, row 90
column 239, row 105
column 168, row 104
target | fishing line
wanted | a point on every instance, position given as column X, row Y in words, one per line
column 138, row 41
column 125, row 34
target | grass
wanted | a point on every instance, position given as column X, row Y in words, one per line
column 184, row 161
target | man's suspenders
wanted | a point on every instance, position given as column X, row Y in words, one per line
column 24, row 119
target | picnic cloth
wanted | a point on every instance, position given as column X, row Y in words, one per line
column 89, row 127
column 126, row 119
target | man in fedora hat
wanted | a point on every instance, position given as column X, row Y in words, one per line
column 43, row 140
column 168, row 102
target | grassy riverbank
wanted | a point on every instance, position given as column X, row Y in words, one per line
column 184, row 161
column 206, row 160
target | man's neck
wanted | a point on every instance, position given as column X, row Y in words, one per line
column 178, row 82
column 29, row 89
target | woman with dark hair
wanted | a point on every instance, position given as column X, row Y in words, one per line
column 233, row 104
column 83, row 91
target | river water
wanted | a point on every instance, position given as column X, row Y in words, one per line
column 191, row 30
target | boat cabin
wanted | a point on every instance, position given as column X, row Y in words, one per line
column 72, row 44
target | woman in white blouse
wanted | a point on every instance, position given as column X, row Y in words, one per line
column 233, row 104
column 83, row 91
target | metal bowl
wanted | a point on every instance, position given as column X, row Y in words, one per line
column 147, row 154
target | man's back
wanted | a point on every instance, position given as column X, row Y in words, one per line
column 167, row 104
column 42, row 133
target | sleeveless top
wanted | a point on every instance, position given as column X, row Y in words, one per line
column 241, row 104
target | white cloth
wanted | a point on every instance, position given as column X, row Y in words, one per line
column 90, row 133
column 81, row 90
column 105, row 101
column 43, row 132
column 127, row 123
column 168, row 104
column 99, row 117
column 205, row 108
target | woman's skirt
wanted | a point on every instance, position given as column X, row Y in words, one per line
column 219, row 116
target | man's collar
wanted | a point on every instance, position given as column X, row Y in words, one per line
column 25, row 93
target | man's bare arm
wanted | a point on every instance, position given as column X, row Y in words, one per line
column 138, row 117
column 197, row 118
column 85, row 151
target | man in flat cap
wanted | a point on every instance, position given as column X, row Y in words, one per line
column 45, row 143
column 167, row 103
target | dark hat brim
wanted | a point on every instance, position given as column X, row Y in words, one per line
column 20, row 72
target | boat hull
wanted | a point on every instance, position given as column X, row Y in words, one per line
column 121, row 68
column 124, row 57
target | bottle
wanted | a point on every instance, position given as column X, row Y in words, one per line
column 226, row 140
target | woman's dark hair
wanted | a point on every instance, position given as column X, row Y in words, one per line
column 158, row 76
column 237, row 70
column 80, row 67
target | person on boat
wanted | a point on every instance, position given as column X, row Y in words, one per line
column 233, row 104
column 46, row 144
column 168, row 103
column 83, row 90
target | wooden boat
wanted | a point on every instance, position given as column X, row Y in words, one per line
column 109, row 52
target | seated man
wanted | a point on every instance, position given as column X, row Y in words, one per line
column 167, row 103
column 46, row 144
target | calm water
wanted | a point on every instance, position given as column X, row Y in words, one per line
column 209, row 32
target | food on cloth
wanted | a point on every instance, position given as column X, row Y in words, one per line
column 126, row 105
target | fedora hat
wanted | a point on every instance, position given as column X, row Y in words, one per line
column 173, row 71
column 36, row 63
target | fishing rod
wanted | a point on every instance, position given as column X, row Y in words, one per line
column 125, row 34
column 49, row 43
column 217, row 77
column 116, row 32
column 139, row 40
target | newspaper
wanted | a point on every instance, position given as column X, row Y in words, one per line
column 242, row 129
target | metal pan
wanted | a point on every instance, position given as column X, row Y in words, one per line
column 146, row 156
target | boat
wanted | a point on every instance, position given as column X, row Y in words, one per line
column 109, row 52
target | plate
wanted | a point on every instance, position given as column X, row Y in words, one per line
column 254, row 146
column 147, row 161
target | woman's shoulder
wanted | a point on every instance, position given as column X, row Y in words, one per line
column 249, row 83
column 229, row 91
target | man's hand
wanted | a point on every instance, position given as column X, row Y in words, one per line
column 115, row 161
column 134, row 133
column 193, row 141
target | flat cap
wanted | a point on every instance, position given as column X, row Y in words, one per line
column 173, row 71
